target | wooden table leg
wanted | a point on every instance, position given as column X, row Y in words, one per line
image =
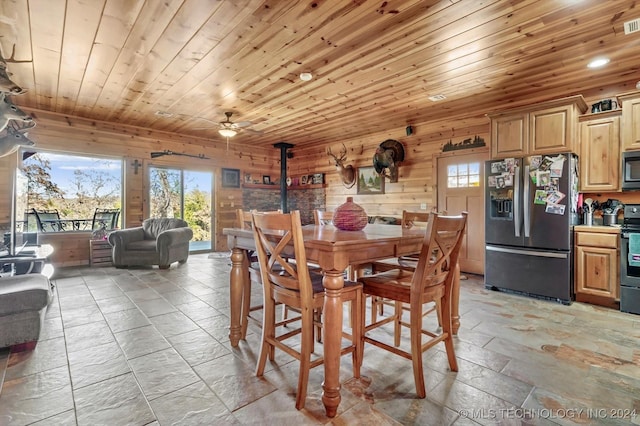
column 236, row 283
column 333, row 283
column 455, row 301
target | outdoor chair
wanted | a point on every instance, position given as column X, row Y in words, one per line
column 48, row 220
column 105, row 219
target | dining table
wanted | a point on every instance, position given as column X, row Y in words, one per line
column 334, row 250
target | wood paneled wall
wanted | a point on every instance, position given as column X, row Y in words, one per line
column 416, row 183
column 75, row 135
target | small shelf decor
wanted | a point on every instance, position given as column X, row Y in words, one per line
column 350, row 216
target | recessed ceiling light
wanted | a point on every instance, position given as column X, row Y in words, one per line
column 306, row 76
column 436, row 98
column 597, row 63
column 164, row 114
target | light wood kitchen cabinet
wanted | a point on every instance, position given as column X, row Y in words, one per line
column 546, row 128
column 600, row 152
column 630, row 103
column 597, row 265
column 509, row 135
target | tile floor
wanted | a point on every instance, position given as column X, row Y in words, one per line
column 145, row 346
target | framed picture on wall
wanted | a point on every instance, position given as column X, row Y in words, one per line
column 369, row 181
column 230, row 178
column 266, row 180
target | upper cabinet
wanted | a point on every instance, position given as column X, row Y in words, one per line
column 509, row 135
column 630, row 103
column 600, row 151
column 545, row 128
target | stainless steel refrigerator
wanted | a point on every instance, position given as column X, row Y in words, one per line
column 531, row 207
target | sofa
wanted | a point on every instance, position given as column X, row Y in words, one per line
column 159, row 241
column 23, row 304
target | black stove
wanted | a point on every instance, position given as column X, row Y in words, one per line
column 630, row 260
column 631, row 221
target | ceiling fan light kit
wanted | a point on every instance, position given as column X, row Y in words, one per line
column 227, row 133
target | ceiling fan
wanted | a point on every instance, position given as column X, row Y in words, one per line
column 228, row 128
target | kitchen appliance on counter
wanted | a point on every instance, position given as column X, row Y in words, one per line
column 630, row 260
column 530, row 210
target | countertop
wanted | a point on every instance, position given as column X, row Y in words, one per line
column 598, row 229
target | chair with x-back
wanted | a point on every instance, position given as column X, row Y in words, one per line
column 278, row 237
column 244, row 221
column 408, row 262
column 431, row 280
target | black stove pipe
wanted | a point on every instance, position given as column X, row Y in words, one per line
column 283, row 146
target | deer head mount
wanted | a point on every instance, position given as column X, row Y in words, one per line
column 12, row 141
column 9, row 111
column 347, row 173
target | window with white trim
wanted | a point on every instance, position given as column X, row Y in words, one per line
column 463, row 175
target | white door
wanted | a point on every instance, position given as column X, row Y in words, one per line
column 460, row 187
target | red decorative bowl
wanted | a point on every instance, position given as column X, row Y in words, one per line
column 350, row 216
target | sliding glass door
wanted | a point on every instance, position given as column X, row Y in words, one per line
column 184, row 194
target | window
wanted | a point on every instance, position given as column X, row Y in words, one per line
column 463, row 175
column 185, row 194
column 73, row 185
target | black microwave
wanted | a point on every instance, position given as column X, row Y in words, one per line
column 631, row 171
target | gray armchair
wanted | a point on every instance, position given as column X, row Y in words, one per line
column 157, row 242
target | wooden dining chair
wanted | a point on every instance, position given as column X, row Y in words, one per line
column 278, row 237
column 432, row 280
column 409, row 220
column 322, row 217
column 244, row 220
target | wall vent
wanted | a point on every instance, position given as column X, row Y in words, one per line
column 632, row 26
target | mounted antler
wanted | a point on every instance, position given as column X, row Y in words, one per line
column 12, row 58
column 6, row 84
column 347, row 173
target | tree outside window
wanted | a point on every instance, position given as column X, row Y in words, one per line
column 73, row 185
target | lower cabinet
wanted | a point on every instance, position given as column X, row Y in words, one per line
column 597, row 266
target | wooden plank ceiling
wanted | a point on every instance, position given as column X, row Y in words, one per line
column 374, row 63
